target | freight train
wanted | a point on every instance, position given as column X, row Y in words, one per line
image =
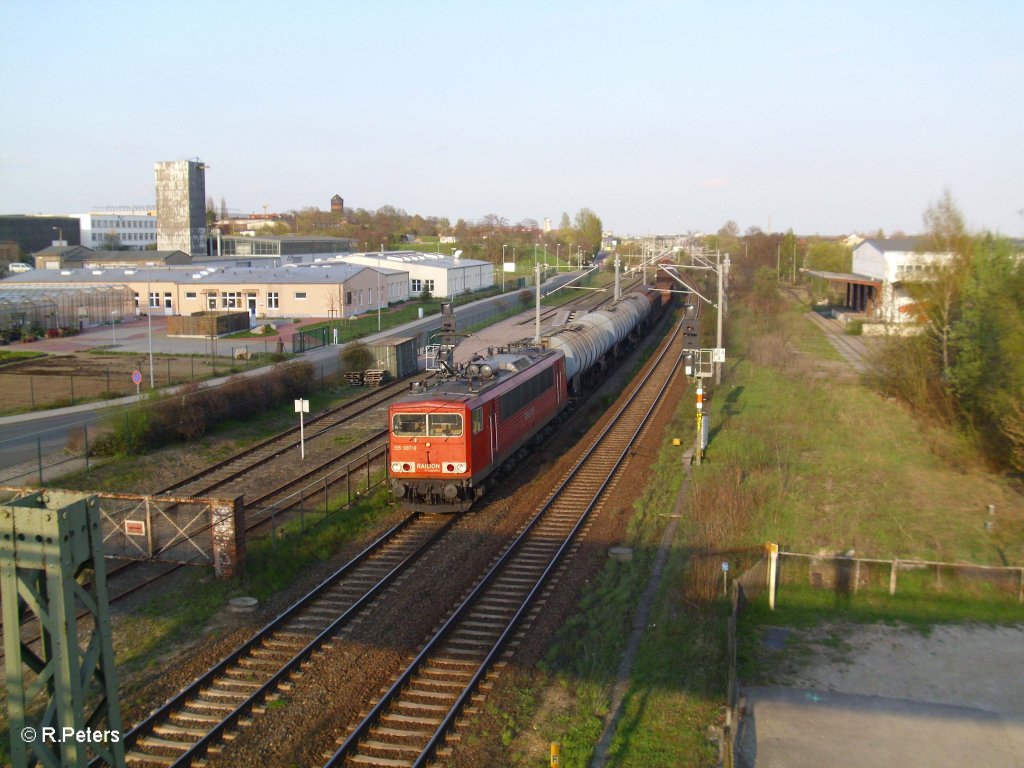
column 445, row 441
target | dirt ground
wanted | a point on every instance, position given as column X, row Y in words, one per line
column 59, row 380
column 959, row 665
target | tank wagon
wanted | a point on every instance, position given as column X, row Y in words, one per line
column 446, row 440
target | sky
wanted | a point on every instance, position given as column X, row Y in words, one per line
column 660, row 116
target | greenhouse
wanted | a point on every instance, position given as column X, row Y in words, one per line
column 41, row 311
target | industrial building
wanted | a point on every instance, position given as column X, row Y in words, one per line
column 181, row 206
column 321, row 290
column 33, row 233
column 80, row 257
column 274, row 250
column 121, row 227
column 442, row 276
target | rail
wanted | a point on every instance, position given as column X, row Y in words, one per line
column 522, row 556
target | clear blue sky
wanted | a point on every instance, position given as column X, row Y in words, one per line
column 824, row 117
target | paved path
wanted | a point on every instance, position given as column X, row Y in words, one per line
column 802, row 728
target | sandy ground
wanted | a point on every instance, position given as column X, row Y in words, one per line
column 960, row 687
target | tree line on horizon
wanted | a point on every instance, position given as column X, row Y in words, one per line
column 390, row 227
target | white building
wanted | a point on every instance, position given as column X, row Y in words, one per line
column 892, row 264
column 113, row 228
column 443, row 276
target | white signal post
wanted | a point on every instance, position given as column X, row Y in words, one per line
column 301, row 407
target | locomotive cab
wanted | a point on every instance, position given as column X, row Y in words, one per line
column 430, row 455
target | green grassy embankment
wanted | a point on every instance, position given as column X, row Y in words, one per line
column 800, row 454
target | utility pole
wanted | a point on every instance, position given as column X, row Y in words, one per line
column 536, row 335
column 721, row 297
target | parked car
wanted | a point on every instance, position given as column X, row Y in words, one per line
column 19, row 266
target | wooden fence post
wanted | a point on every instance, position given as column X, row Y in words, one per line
column 892, row 577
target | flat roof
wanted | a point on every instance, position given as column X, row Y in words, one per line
column 418, row 257
column 335, row 272
column 843, row 277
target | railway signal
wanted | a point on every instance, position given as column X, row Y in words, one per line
column 691, row 333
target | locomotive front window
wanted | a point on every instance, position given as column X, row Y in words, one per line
column 445, row 425
column 409, row 424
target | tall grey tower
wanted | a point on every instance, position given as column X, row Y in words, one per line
column 181, row 206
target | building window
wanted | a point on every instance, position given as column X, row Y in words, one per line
column 154, row 299
column 429, row 285
column 300, row 295
column 230, row 300
column 190, row 294
column 167, row 301
column 272, row 301
column 416, row 286
column 348, row 297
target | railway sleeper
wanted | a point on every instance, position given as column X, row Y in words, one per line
column 384, row 761
column 428, row 694
column 155, row 741
column 285, row 644
column 485, row 622
column 224, row 693
column 419, row 706
column 134, row 756
column 403, row 733
column 437, row 683
column 196, row 717
column 169, row 729
column 220, row 706
column 389, row 746
column 397, row 717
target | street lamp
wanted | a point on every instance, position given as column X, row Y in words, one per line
column 378, row 285
column 558, row 247
column 60, row 235
column 149, row 318
column 503, row 247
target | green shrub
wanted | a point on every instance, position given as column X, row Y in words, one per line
column 194, row 409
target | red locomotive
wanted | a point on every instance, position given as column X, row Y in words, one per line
column 446, row 441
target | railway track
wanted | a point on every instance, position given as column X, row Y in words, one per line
column 217, row 475
column 588, row 302
column 192, row 723
column 412, row 721
column 851, row 348
column 270, row 504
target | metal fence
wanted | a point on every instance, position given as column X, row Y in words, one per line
column 316, row 501
column 855, row 575
column 163, row 528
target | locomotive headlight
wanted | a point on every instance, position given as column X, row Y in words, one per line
column 454, row 467
column 400, row 466
column 396, row 466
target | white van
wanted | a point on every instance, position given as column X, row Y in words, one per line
column 18, row 266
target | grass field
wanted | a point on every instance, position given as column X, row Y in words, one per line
column 798, row 455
